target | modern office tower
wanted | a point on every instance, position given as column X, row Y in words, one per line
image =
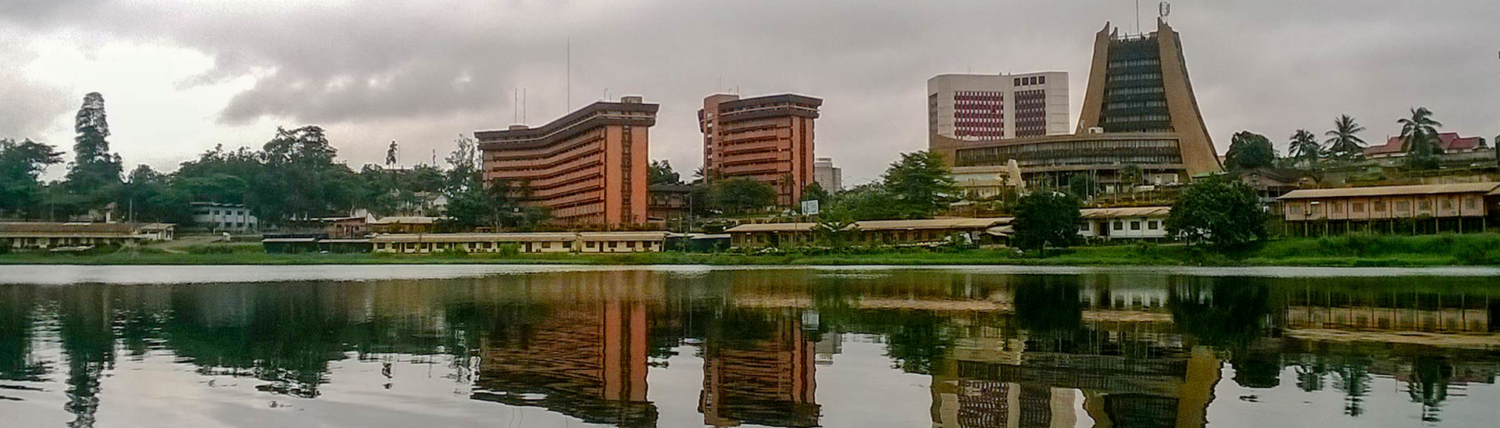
column 768, row 139
column 588, row 167
column 1139, row 111
column 991, row 107
column 830, row 177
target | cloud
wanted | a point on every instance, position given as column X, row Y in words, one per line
column 423, row 71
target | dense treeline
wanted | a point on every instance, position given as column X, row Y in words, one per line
column 296, row 174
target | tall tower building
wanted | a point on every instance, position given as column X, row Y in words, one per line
column 991, row 107
column 1138, row 111
column 1139, row 84
column 588, row 167
column 830, row 177
column 767, row 139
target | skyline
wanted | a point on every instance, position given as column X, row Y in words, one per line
column 229, row 75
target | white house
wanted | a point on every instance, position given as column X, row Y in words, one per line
column 224, row 217
column 1124, row 223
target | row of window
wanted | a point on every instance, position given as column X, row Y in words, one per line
column 1136, row 104
column 1120, row 225
column 1136, row 91
column 1135, row 63
column 1134, row 77
column 1137, row 118
column 1033, row 80
column 1380, row 206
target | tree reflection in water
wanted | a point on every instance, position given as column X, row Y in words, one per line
column 999, row 349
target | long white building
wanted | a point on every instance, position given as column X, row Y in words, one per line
column 986, row 107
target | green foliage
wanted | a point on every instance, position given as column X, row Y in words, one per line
column 1046, row 219
column 1305, row 149
column 93, row 177
column 816, row 192
column 497, row 206
column 1083, row 186
column 742, row 195
column 1343, row 140
column 867, row 202
column 1419, row 132
column 660, row 172
column 1248, row 150
column 835, row 229
column 1219, row 212
column 21, row 166
column 921, row 184
column 151, row 196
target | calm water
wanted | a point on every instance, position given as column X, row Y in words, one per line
column 396, row 346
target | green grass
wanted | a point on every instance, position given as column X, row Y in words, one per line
column 1351, row 251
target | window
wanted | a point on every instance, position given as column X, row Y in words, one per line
column 1471, row 203
column 1315, row 209
column 630, row 244
column 1447, row 204
column 1358, row 207
column 613, row 244
column 1135, row 225
column 546, row 245
column 1083, row 227
column 1424, row 205
column 1119, row 225
column 1338, row 206
column 589, row 244
column 1379, row 206
column 1403, row 206
column 1153, row 225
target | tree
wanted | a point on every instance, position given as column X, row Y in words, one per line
column 660, row 172
column 1343, row 143
column 1248, row 150
column 1046, row 219
column 1419, row 134
column 869, row 201
column 816, row 192
column 390, row 154
column 21, row 166
column 94, row 176
column 464, row 165
column 1305, row 148
column 1218, row 212
column 1083, row 186
column 149, row 195
column 742, row 195
column 921, row 184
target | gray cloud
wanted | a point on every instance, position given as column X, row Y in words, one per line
column 422, row 72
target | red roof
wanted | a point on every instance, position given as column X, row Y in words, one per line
column 1449, row 141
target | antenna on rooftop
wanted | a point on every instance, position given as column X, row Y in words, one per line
column 1137, row 16
column 1164, row 9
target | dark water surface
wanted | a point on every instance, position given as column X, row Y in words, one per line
column 341, row 346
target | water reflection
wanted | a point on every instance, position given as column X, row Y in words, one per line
column 598, row 347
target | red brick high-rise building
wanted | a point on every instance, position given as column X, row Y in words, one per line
column 588, row 167
column 768, row 139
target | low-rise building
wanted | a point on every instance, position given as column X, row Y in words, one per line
column 403, row 224
column 219, row 217
column 666, row 203
column 972, row 231
column 1448, row 142
column 45, row 236
column 1124, row 223
column 541, row 242
column 988, row 181
column 1428, row 208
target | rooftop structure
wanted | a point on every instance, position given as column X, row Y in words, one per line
column 588, row 167
column 1448, row 142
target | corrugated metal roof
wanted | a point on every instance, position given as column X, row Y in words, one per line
column 880, row 225
column 45, row 229
column 1125, row 212
column 1424, row 189
column 520, row 237
column 623, row 236
column 405, row 220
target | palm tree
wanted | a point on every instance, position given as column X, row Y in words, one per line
column 1305, row 147
column 1342, row 142
column 1419, row 133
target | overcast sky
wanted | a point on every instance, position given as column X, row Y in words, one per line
column 179, row 77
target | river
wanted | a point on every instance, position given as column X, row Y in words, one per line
column 548, row 346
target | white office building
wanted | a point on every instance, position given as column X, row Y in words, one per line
column 986, row 107
column 830, row 177
column 224, row 217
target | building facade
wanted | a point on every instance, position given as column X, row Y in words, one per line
column 224, row 217
column 990, row 107
column 1428, row 208
column 830, row 177
column 1139, row 110
column 767, row 139
column 588, row 167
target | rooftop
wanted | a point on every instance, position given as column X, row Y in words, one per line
column 1448, row 141
column 1423, row 189
column 881, row 225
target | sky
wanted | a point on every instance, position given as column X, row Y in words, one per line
column 180, row 77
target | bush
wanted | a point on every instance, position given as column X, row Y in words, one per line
column 508, row 250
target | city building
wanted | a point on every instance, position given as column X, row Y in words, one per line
column 829, row 177
column 988, row 181
column 970, row 231
column 771, row 381
column 396, row 224
column 588, row 167
column 1124, row 223
column 767, row 139
column 540, row 242
column 46, row 236
column 224, row 217
column 991, row 107
column 1448, row 142
column 1427, row 208
column 1139, row 110
column 668, row 203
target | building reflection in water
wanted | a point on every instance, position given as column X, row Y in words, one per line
column 997, row 350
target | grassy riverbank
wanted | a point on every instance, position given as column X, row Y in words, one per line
column 1354, row 250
